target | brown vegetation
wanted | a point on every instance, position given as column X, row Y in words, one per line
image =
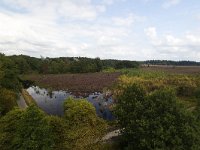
column 83, row 83
column 173, row 69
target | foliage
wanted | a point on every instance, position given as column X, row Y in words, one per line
column 25, row 64
column 21, row 64
column 126, row 64
column 8, row 129
column 59, row 131
column 155, row 121
column 174, row 63
column 183, row 84
column 33, row 129
column 109, row 70
column 86, row 129
column 9, row 85
column 8, row 74
column 24, row 130
column 7, row 101
column 10, row 80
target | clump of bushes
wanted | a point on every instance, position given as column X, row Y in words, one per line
column 31, row 128
column 184, row 86
column 155, row 120
column 8, row 100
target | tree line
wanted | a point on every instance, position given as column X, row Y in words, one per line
column 26, row 64
column 172, row 63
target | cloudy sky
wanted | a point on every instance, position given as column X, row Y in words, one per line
column 119, row 29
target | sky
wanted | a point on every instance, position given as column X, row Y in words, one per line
column 109, row 29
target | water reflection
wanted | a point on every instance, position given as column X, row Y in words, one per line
column 52, row 101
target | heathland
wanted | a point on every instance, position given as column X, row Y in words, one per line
column 155, row 104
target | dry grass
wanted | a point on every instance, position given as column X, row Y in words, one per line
column 28, row 99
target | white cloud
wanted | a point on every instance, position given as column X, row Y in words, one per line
column 82, row 28
column 128, row 21
column 70, row 9
column 36, row 34
column 109, row 2
column 170, row 46
column 169, row 3
column 65, row 28
column 151, row 32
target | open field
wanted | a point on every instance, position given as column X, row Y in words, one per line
column 84, row 83
column 173, row 69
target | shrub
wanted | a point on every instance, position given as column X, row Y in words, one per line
column 155, row 121
column 7, row 101
column 85, row 128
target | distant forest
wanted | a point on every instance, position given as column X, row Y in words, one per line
column 26, row 64
column 173, row 63
column 23, row 64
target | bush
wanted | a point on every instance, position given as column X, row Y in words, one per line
column 32, row 129
column 85, row 128
column 27, row 129
column 8, row 129
column 155, row 121
column 185, row 86
column 59, row 131
column 8, row 100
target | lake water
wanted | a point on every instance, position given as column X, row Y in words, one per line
column 52, row 102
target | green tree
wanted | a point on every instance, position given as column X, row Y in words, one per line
column 21, row 64
column 155, row 121
column 85, row 128
column 99, row 64
column 126, row 64
column 9, row 74
column 10, row 80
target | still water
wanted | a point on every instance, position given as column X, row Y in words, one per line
column 52, row 102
